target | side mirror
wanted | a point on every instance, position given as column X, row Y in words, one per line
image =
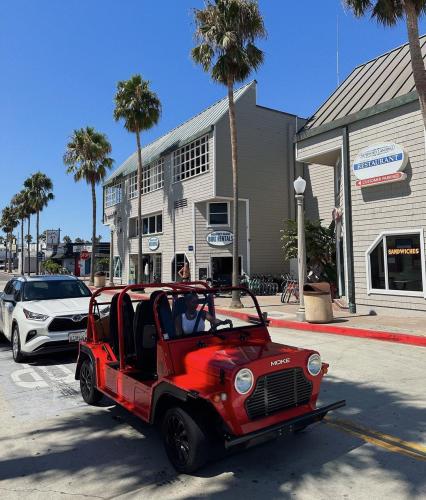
column 9, row 298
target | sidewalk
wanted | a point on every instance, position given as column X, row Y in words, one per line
column 405, row 329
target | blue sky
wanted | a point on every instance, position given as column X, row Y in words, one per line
column 60, row 61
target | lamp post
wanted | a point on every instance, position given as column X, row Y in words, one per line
column 111, row 256
column 299, row 187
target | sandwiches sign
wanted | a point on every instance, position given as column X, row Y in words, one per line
column 380, row 164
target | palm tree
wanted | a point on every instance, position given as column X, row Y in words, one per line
column 388, row 13
column 226, row 31
column 140, row 109
column 20, row 203
column 39, row 188
column 8, row 222
column 87, row 158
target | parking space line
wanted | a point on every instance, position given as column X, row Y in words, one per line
column 386, row 441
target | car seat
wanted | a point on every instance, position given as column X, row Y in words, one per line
column 128, row 315
column 145, row 339
column 164, row 313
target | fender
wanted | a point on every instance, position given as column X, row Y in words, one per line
column 83, row 352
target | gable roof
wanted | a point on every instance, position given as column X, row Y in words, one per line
column 373, row 83
column 192, row 128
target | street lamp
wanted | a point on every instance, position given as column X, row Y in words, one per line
column 299, row 187
column 111, row 256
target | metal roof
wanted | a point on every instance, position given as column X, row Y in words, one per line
column 180, row 135
column 377, row 81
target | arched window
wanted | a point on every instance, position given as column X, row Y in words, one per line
column 396, row 264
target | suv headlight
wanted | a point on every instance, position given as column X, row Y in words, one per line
column 314, row 364
column 35, row 316
column 244, row 381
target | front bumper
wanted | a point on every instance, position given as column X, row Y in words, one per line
column 283, row 428
column 52, row 347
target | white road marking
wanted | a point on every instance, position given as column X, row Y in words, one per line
column 28, row 371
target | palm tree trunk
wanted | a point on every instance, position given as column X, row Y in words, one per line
column 29, row 246
column 6, row 255
column 417, row 63
column 37, row 242
column 22, row 247
column 93, row 259
column 236, row 301
column 10, row 253
column 139, row 184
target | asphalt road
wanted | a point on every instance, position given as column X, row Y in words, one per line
column 55, row 446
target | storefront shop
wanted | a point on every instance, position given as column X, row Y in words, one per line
column 363, row 156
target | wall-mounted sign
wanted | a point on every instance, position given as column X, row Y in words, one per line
column 220, row 238
column 380, row 164
column 52, row 237
column 84, row 255
column 190, row 248
column 153, row 243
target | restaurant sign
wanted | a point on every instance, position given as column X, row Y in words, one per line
column 380, row 164
column 220, row 238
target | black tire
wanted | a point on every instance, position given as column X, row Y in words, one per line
column 18, row 357
column 185, row 441
column 88, row 383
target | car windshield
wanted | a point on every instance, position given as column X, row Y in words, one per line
column 55, row 289
column 186, row 314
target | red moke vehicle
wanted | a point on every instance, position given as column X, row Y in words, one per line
column 223, row 388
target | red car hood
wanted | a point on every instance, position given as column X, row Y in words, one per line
column 267, row 356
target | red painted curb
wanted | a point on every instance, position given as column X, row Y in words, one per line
column 399, row 338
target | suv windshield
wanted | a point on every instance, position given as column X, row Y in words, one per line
column 49, row 290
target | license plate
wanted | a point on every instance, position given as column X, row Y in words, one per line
column 77, row 336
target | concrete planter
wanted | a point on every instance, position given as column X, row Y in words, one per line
column 100, row 281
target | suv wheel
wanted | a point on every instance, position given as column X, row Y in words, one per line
column 88, row 383
column 18, row 357
column 185, row 441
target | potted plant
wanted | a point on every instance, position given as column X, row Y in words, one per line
column 100, row 279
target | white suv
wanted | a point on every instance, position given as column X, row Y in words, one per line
column 43, row 314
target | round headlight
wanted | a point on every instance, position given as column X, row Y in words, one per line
column 314, row 364
column 244, row 381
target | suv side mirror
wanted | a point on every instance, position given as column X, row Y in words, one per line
column 9, row 298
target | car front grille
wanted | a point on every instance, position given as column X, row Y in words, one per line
column 67, row 324
column 278, row 391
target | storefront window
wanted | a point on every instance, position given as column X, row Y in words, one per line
column 377, row 267
column 404, row 262
column 396, row 263
column 118, row 268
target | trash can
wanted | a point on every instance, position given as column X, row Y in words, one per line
column 318, row 306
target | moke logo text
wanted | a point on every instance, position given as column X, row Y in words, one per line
column 279, row 362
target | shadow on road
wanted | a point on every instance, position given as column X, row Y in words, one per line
column 126, row 455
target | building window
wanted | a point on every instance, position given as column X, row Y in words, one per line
column 153, row 224
column 218, row 214
column 396, row 264
column 118, row 267
column 152, row 179
column 191, row 160
column 113, row 194
column 133, row 185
